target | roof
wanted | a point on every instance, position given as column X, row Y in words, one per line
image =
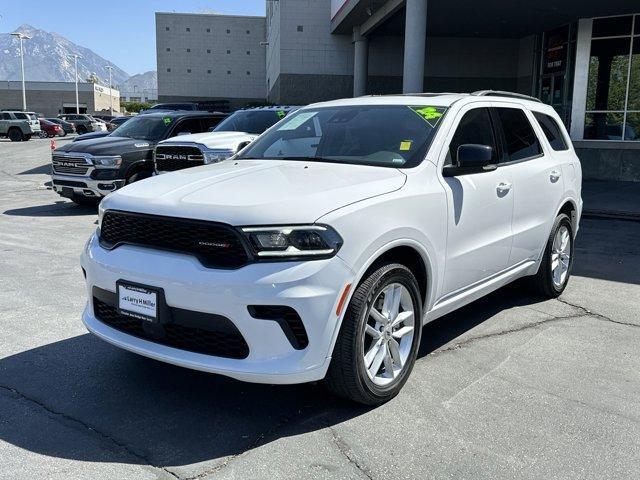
column 444, row 99
column 274, row 108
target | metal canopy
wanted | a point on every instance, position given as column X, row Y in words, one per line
column 487, row 18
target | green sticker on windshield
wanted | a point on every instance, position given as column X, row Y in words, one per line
column 281, row 114
column 428, row 113
column 166, row 120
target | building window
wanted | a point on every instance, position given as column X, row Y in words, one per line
column 613, row 89
column 248, row 52
column 188, row 50
column 208, row 50
column 300, row 28
column 248, row 72
column 228, row 31
column 168, row 70
column 208, row 30
column 168, row 49
column 188, row 29
column 166, row 28
column 248, row 32
column 228, row 52
column 188, row 70
column 228, row 72
column 209, row 71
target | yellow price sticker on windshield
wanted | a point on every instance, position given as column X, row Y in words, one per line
column 405, row 145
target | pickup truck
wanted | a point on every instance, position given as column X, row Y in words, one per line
column 87, row 170
column 18, row 126
column 232, row 134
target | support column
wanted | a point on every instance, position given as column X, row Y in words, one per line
column 360, row 63
column 415, row 39
column 581, row 78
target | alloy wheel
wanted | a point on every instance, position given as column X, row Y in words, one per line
column 388, row 334
column 560, row 256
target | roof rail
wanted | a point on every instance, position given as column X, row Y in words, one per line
column 500, row 93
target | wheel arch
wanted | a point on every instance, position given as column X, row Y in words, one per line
column 569, row 207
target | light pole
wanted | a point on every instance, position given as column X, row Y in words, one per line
column 21, row 37
column 110, row 68
column 75, row 60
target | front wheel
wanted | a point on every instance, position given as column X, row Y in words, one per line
column 555, row 269
column 15, row 135
column 379, row 337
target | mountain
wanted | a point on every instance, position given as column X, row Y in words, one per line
column 46, row 58
column 142, row 81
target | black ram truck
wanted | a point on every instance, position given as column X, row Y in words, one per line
column 87, row 170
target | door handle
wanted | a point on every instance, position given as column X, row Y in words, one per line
column 503, row 187
column 554, row 176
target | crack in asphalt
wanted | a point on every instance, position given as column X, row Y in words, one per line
column 347, row 452
column 591, row 313
column 90, row 428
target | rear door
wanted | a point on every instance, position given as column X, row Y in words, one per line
column 537, row 179
column 479, row 204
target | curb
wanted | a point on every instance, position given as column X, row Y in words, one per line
column 611, row 215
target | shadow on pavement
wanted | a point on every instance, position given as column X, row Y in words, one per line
column 57, row 209
column 41, row 170
column 170, row 416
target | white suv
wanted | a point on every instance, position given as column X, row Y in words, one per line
column 321, row 249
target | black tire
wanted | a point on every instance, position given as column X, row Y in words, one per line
column 136, row 177
column 347, row 376
column 81, row 130
column 15, row 134
column 26, row 138
column 85, row 201
column 542, row 283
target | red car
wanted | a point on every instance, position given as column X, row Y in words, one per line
column 51, row 129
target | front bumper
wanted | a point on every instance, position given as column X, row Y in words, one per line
column 311, row 288
column 69, row 185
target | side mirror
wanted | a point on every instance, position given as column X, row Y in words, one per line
column 471, row 158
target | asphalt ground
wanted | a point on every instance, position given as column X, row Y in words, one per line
column 508, row 387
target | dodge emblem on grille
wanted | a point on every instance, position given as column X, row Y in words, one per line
column 213, row 244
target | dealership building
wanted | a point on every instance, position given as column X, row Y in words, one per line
column 581, row 56
column 54, row 98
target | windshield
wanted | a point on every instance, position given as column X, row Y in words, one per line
column 381, row 135
column 250, row 121
column 144, row 128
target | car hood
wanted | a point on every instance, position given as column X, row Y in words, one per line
column 107, row 145
column 256, row 192
column 214, row 140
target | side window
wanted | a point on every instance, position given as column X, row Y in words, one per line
column 520, row 140
column 474, row 127
column 6, row 116
column 209, row 123
column 552, row 131
column 190, row 125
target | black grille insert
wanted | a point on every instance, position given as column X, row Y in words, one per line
column 187, row 330
column 287, row 318
column 216, row 245
column 171, row 158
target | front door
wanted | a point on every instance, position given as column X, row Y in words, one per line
column 480, row 207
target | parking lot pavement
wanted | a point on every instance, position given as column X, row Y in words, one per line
column 509, row 387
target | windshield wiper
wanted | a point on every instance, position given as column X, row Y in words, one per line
column 312, row 159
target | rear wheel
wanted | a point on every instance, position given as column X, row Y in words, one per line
column 26, row 138
column 379, row 337
column 15, row 134
column 555, row 269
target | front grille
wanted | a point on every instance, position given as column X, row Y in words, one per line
column 69, row 183
column 70, row 165
column 287, row 318
column 191, row 331
column 172, row 158
column 216, row 245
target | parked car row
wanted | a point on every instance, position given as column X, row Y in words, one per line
column 317, row 249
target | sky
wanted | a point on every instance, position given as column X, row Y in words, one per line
column 122, row 31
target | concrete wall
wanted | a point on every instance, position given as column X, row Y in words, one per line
column 207, row 71
column 48, row 98
column 308, row 65
column 602, row 160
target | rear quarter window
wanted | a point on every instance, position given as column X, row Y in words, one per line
column 552, row 131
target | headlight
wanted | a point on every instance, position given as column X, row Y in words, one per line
column 215, row 156
column 107, row 161
column 290, row 242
